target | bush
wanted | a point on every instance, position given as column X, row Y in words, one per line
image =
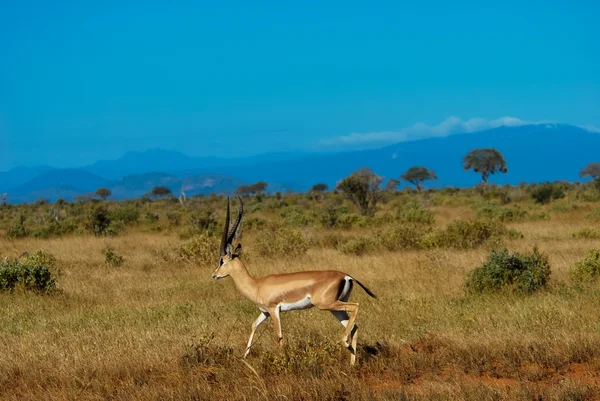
column 33, row 273
column 586, row 233
column 202, row 248
column 495, row 212
column 111, row 258
column 413, row 212
column 544, row 193
column 281, row 241
column 588, row 268
column 98, row 220
column 54, row 229
column 402, row 236
column 514, row 272
column 126, row 215
column 470, row 234
column 18, row 230
column 357, row 245
column 203, row 222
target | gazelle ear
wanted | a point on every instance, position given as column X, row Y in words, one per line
column 238, row 249
column 228, row 250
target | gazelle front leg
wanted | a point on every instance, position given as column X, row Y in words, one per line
column 274, row 312
column 263, row 316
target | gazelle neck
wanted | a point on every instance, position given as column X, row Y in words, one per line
column 244, row 282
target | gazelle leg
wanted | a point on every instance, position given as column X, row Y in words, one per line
column 277, row 324
column 261, row 318
column 343, row 317
column 351, row 308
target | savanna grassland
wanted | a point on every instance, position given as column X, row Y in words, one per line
column 134, row 313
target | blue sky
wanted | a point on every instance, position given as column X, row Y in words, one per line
column 82, row 81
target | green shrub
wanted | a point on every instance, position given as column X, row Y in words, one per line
column 111, row 258
column 330, row 215
column 54, row 229
column 495, row 212
column 413, row 212
column 18, row 230
column 204, row 221
column 293, row 217
column 522, row 273
column 281, row 241
column 347, row 221
column 586, row 233
column 514, row 234
column 174, row 218
column 202, row 248
column 358, row 245
column 470, row 234
column 98, row 220
column 33, row 273
column 402, row 236
column 126, row 215
column 588, row 268
column 544, row 193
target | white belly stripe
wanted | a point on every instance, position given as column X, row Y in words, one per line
column 304, row 303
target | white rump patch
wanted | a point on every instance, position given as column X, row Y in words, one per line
column 304, row 303
column 347, row 288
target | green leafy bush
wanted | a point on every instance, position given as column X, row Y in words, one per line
column 98, row 220
column 18, row 230
column 358, row 245
column 544, row 193
column 588, row 268
column 401, row 236
column 413, row 212
column 202, row 248
column 126, row 215
column 281, row 241
column 111, row 258
column 54, row 229
column 522, row 273
column 32, row 272
column 470, row 234
column 495, row 212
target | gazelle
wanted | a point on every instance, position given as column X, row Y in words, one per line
column 276, row 293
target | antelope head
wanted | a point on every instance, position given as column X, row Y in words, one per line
column 228, row 254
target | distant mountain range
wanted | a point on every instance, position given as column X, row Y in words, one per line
column 534, row 153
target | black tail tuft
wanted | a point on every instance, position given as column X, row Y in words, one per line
column 368, row 291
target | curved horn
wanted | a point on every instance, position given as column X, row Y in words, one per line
column 225, row 232
column 236, row 225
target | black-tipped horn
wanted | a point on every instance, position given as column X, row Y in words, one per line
column 236, row 225
column 224, row 241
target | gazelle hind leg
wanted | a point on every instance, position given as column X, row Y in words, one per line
column 351, row 309
column 343, row 317
column 263, row 316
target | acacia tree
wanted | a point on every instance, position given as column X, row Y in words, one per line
column 485, row 161
column 103, row 193
column 247, row 190
column 160, row 192
column 418, row 175
column 319, row 188
column 392, row 184
column 363, row 188
column 592, row 170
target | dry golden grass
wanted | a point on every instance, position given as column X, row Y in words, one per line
column 144, row 330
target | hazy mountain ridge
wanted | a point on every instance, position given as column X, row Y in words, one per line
column 537, row 153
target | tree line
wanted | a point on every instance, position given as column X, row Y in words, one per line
column 363, row 186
